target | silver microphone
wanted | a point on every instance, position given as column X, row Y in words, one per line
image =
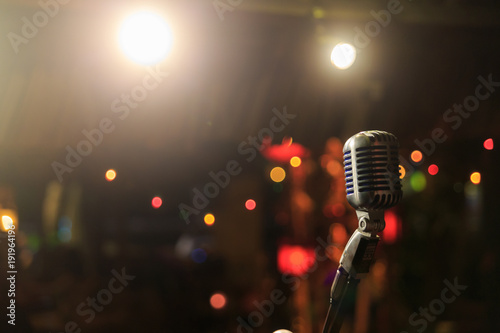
column 371, row 165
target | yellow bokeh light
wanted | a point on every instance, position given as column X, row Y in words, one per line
column 110, row 175
column 295, row 161
column 277, row 174
column 402, row 171
column 416, row 156
column 343, row 55
column 7, row 222
column 145, row 38
column 209, row 219
column 475, row 178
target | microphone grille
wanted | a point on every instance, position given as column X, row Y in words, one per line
column 371, row 165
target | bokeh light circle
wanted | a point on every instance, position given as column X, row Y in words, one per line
column 209, row 219
column 475, row 178
column 110, row 175
column 295, row 161
column 277, row 174
column 250, row 204
column 488, row 144
column 218, row 300
column 433, row 169
column 156, row 202
column 416, row 156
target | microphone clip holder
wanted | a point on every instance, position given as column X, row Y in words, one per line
column 371, row 221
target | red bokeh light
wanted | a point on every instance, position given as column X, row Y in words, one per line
column 392, row 229
column 294, row 259
column 433, row 169
column 250, row 204
column 488, row 144
column 218, row 301
column 284, row 152
column 156, row 202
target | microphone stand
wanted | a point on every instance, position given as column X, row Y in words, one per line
column 354, row 264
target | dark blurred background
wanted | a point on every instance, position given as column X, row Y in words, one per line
column 232, row 69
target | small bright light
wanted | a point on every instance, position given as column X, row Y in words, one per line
column 433, row 169
column 277, row 174
column 7, row 222
column 145, row 38
column 343, row 55
column 402, row 172
column 295, row 161
column 488, row 144
column 156, row 202
column 250, row 204
column 475, row 178
column 209, row 219
column 416, row 156
column 110, row 175
column 218, row 301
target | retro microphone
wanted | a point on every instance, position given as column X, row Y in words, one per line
column 371, row 166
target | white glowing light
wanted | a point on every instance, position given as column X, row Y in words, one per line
column 343, row 55
column 145, row 38
column 7, row 222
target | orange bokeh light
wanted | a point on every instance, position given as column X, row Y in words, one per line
column 218, row 301
column 209, row 219
column 277, row 174
column 475, row 178
column 416, row 156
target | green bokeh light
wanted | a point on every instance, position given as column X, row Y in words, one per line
column 418, row 181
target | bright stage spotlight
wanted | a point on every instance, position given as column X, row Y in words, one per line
column 343, row 55
column 145, row 38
